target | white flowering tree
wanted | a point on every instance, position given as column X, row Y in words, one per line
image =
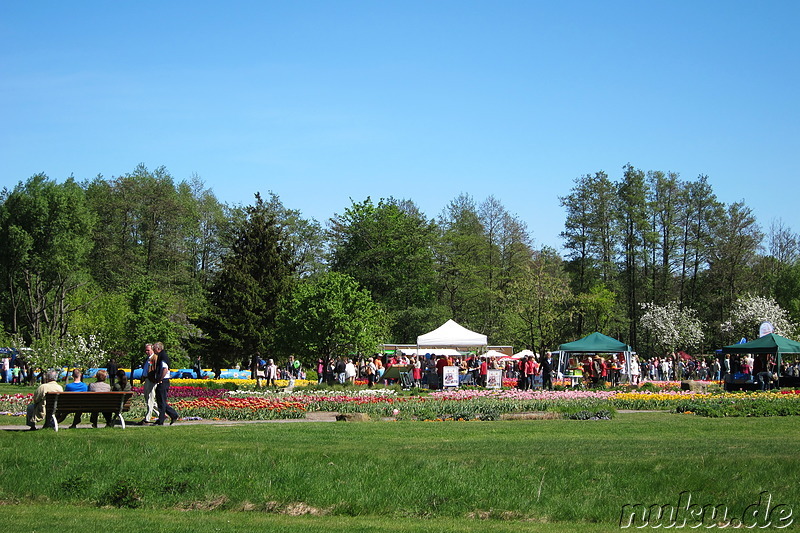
column 70, row 352
column 672, row 328
column 749, row 312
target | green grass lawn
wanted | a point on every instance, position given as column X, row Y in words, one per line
column 544, row 475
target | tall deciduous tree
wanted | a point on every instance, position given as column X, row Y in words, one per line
column 45, row 230
column 461, row 262
column 329, row 316
column 388, row 249
column 636, row 239
column 506, row 257
column 141, row 230
column 667, row 202
column 539, row 303
column 737, row 238
column 245, row 295
column 782, row 243
column 591, row 238
column 306, row 237
column 152, row 316
column 787, row 291
column 702, row 209
column 205, row 229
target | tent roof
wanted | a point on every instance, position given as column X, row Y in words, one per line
column 451, row 334
column 432, row 351
column 595, row 343
column 771, row 343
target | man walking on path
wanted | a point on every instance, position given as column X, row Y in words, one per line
column 162, row 386
column 149, row 381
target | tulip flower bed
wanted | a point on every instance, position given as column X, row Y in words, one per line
column 541, row 400
column 197, row 402
column 235, row 384
column 189, row 392
column 646, row 400
column 14, row 404
column 489, row 404
column 742, row 404
column 449, row 405
column 233, row 408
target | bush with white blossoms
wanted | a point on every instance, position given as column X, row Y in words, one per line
column 750, row 312
column 71, row 351
column 672, row 327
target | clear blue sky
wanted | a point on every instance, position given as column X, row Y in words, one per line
column 321, row 102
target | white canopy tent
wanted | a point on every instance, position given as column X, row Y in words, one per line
column 494, row 353
column 525, row 353
column 433, row 351
column 451, row 334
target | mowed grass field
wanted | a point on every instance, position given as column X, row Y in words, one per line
column 541, row 475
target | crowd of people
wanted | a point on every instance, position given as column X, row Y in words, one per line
column 421, row 371
column 428, row 369
column 13, row 369
column 530, row 371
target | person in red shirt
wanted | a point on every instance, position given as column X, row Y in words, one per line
column 530, row 372
column 416, row 371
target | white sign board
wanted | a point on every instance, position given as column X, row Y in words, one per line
column 450, row 376
column 494, row 378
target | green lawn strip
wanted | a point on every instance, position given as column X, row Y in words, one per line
column 545, row 471
column 22, row 518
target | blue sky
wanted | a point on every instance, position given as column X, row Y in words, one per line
column 321, row 102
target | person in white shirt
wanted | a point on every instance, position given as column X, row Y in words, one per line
column 350, row 371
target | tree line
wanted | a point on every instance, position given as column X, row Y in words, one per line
column 140, row 257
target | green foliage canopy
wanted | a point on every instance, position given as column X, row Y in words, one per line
column 330, row 316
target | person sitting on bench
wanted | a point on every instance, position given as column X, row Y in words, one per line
column 100, row 386
column 77, row 385
column 35, row 411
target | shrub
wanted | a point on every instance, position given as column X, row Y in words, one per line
column 124, row 494
column 648, row 387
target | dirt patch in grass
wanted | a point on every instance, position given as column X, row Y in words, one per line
column 210, row 504
column 301, row 508
column 538, row 415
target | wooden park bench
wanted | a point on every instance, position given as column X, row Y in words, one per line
column 63, row 403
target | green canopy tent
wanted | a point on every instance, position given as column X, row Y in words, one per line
column 595, row 343
column 771, row 343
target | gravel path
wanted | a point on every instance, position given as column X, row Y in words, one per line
column 310, row 417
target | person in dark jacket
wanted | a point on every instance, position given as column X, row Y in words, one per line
column 547, row 371
column 162, row 386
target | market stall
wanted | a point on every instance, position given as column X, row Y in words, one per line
column 594, row 343
column 768, row 351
